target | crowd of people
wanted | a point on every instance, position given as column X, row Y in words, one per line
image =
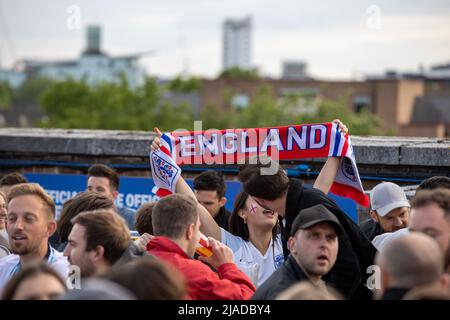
column 281, row 241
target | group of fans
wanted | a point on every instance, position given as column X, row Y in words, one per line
column 281, row 241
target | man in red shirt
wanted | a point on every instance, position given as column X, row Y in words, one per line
column 176, row 226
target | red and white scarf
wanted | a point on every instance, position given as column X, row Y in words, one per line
column 231, row 146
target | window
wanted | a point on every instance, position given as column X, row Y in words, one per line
column 299, row 100
column 361, row 103
column 240, row 101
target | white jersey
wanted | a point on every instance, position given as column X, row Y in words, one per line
column 10, row 265
column 383, row 239
column 246, row 254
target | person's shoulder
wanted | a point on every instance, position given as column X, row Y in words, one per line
column 12, row 258
column 230, row 239
column 60, row 260
column 126, row 211
column 59, row 256
column 272, row 286
column 367, row 222
column 8, row 262
column 194, row 269
column 314, row 193
column 383, row 239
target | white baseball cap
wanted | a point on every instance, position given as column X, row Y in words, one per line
column 386, row 197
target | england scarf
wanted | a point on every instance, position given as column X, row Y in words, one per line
column 232, row 146
column 165, row 171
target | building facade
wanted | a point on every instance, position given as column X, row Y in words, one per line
column 402, row 104
column 93, row 65
column 237, row 36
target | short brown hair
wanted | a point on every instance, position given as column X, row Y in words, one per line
column 11, row 179
column 210, row 181
column 434, row 183
column 173, row 214
column 144, row 218
column 107, row 229
column 100, row 170
column 149, row 278
column 34, row 189
column 3, row 195
column 84, row 201
column 268, row 187
column 440, row 197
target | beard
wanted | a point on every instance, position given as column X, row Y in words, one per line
column 87, row 268
column 24, row 248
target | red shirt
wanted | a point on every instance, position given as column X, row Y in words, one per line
column 203, row 284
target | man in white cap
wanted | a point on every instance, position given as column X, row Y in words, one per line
column 389, row 210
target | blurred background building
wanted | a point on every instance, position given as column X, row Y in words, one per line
column 409, row 103
column 93, row 65
column 237, row 43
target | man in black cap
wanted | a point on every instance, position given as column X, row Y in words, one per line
column 313, row 244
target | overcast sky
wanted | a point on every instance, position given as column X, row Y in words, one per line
column 338, row 39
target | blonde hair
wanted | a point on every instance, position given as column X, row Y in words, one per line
column 34, row 189
column 3, row 195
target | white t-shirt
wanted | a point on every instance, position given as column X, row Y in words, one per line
column 10, row 265
column 383, row 239
column 4, row 234
column 246, row 255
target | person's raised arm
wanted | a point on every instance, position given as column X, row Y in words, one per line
column 329, row 170
column 208, row 226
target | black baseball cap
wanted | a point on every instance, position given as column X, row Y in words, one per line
column 314, row 215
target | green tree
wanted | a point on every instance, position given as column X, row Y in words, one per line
column 75, row 104
column 261, row 112
column 31, row 89
column 265, row 109
column 213, row 117
column 238, row 73
column 184, row 85
column 5, row 96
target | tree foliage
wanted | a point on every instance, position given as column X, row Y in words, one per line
column 5, row 96
column 265, row 109
column 74, row 104
column 236, row 72
column 184, row 85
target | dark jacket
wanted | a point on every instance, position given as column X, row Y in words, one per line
column 131, row 253
column 223, row 218
column 284, row 277
column 394, row 294
column 356, row 253
column 129, row 215
column 370, row 228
